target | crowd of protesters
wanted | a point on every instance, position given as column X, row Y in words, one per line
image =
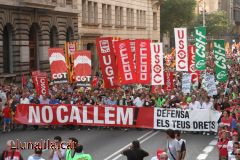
column 227, row 100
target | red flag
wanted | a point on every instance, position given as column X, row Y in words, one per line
column 24, row 81
column 191, row 64
column 125, row 62
column 58, row 65
column 82, row 67
column 168, row 81
column 143, row 61
column 107, row 61
column 42, row 86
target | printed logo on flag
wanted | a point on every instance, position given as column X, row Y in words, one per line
column 181, row 49
column 220, row 61
column 125, row 62
column 58, row 65
column 200, row 38
column 104, row 45
column 82, row 67
column 157, row 64
column 143, row 61
column 106, row 57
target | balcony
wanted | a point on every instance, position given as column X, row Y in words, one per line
column 41, row 4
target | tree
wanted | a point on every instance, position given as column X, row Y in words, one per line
column 176, row 13
column 217, row 23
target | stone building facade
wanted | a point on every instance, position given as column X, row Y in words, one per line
column 124, row 19
column 28, row 28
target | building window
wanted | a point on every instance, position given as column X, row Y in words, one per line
column 119, row 16
column 106, row 15
column 53, row 37
column 141, row 19
column 130, row 17
column 89, row 12
column 155, row 21
column 84, row 12
column 95, row 13
column 69, row 2
column 7, row 50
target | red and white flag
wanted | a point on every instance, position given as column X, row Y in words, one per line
column 107, row 61
column 40, row 80
column 125, row 62
column 82, row 67
column 42, row 86
column 181, row 49
column 133, row 50
column 143, row 61
column 168, row 78
column 157, row 63
column 58, row 65
column 191, row 64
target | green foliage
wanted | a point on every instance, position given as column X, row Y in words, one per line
column 176, row 13
column 216, row 22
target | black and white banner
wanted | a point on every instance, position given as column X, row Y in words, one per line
column 186, row 120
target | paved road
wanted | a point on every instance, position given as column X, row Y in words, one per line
column 105, row 144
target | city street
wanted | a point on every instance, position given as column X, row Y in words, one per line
column 106, row 144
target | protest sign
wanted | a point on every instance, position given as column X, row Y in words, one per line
column 186, row 83
column 200, row 38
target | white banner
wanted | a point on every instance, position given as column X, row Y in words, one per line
column 157, row 64
column 181, row 49
column 186, row 83
column 186, row 120
column 210, row 85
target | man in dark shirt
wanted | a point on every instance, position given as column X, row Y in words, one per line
column 135, row 152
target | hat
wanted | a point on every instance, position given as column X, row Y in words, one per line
column 159, row 152
column 235, row 134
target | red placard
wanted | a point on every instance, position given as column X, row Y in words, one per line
column 58, row 65
column 125, row 62
column 82, row 67
column 41, row 85
column 107, row 61
column 191, row 64
column 168, row 81
column 143, row 61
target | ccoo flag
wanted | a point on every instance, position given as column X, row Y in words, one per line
column 200, row 38
column 220, row 61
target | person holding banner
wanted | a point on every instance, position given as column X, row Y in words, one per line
column 194, row 104
column 207, row 104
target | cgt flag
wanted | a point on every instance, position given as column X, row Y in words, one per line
column 107, row 61
column 181, row 49
column 200, row 38
column 82, row 68
column 58, row 65
column 220, row 61
column 143, row 61
column 125, row 62
column 157, row 63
